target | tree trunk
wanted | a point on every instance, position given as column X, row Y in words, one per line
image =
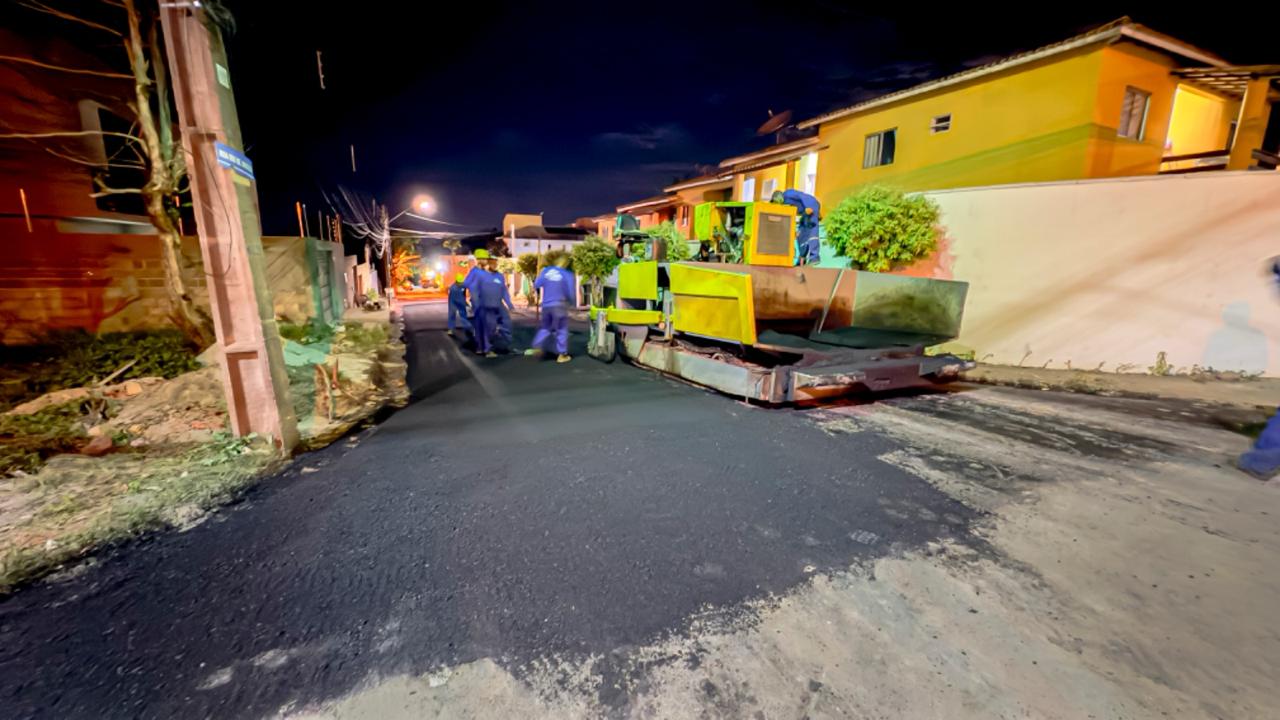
column 190, row 318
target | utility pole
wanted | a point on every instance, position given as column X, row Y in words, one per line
column 230, row 231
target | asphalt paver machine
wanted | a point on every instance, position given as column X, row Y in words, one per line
column 744, row 319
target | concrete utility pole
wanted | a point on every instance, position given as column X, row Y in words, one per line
column 230, row 231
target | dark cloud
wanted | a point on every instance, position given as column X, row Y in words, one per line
column 667, row 136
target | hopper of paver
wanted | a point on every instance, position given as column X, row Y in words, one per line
column 752, row 305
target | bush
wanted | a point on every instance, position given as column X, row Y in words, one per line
column 506, row 266
column 593, row 260
column 27, row 440
column 552, row 257
column 676, row 243
column 880, row 228
column 362, row 337
column 77, row 358
column 527, row 264
column 311, row 332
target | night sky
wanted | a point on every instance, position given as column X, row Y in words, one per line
column 569, row 109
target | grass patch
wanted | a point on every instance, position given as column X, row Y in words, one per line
column 76, row 358
column 26, row 441
column 99, row 501
column 309, row 333
column 364, row 337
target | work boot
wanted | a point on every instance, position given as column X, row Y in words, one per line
column 449, row 333
column 491, row 354
column 533, row 352
column 563, row 358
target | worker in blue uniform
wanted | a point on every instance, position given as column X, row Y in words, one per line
column 808, row 218
column 458, row 305
column 559, row 292
column 489, row 293
column 1262, row 460
column 504, row 310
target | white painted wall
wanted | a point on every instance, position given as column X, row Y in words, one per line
column 1113, row 272
column 522, row 246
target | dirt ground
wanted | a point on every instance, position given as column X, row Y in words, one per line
column 172, row 457
column 1124, row 569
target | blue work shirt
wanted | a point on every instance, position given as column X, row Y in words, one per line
column 458, row 295
column 488, row 289
column 557, row 286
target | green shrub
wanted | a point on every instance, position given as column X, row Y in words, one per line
column 362, row 337
column 677, row 244
column 552, row 257
column 881, row 228
column 527, row 264
column 593, row 261
column 27, row 440
column 311, row 332
column 77, row 358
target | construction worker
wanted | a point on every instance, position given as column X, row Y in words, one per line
column 488, row 293
column 808, row 215
column 504, row 310
column 1262, row 460
column 559, row 291
column 458, row 305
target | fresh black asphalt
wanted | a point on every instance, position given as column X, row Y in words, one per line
column 517, row 508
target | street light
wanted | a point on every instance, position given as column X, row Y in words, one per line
column 422, row 204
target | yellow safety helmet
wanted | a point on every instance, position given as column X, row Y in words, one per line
column 482, row 254
column 459, row 278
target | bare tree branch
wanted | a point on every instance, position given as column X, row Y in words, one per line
column 115, row 191
column 59, row 68
column 41, row 7
column 93, row 163
column 67, row 133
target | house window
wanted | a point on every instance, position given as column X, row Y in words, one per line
column 748, row 190
column 879, row 148
column 940, row 124
column 767, row 190
column 1133, row 113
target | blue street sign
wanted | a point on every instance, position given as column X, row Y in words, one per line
column 229, row 157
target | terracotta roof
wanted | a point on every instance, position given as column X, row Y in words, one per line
column 773, row 153
column 654, row 202
column 1124, row 28
column 699, row 181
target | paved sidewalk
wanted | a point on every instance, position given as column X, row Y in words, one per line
column 1258, row 394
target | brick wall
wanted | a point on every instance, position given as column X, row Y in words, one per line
column 53, row 280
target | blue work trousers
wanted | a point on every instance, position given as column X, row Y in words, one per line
column 555, row 319
column 458, row 317
column 486, row 323
column 1263, row 458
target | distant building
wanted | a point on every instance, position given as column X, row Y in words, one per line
column 525, row 234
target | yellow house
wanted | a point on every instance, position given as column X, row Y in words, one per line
column 786, row 166
column 1117, row 100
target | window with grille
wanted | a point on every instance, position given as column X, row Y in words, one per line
column 879, row 148
column 940, row 124
column 1133, row 113
column 769, row 186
